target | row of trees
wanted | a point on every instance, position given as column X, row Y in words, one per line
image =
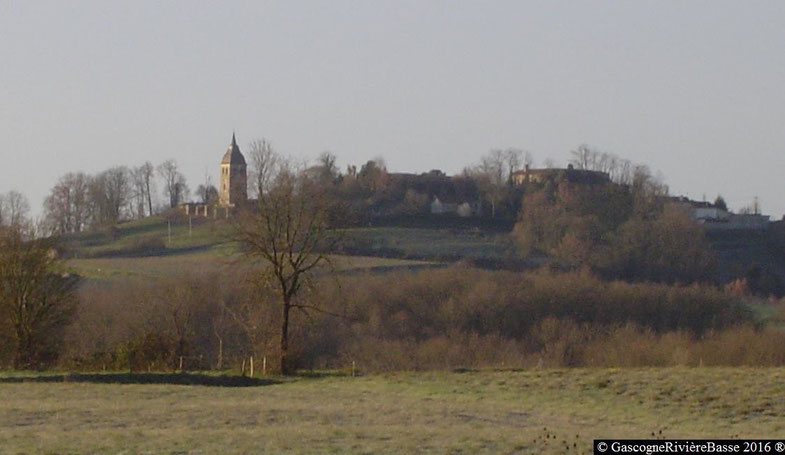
column 79, row 201
column 620, row 170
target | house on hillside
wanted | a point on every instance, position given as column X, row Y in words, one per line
column 714, row 218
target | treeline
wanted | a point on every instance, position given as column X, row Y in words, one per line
column 80, row 201
column 366, row 193
column 446, row 318
column 371, row 192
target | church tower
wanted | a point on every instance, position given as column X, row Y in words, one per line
column 234, row 180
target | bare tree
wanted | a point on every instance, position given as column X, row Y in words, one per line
column 619, row 170
column 494, row 173
column 147, row 175
column 624, row 173
column 490, row 176
column 57, row 209
column 67, row 207
column 3, row 215
column 514, row 159
column 17, row 208
column 263, row 163
column 582, row 157
column 287, row 230
column 109, row 194
column 328, row 170
column 207, row 193
column 35, row 297
column 141, row 180
column 175, row 188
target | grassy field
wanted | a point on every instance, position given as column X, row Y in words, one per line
column 210, row 260
column 432, row 243
column 145, row 249
column 163, row 235
column 537, row 411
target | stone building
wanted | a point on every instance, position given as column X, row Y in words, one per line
column 233, row 189
column 570, row 174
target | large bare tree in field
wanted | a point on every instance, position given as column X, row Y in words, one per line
column 36, row 298
column 287, row 230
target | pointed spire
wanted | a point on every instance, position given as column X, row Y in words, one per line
column 233, row 154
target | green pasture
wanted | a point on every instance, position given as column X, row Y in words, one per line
column 536, row 411
column 431, row 243
column 175, row 233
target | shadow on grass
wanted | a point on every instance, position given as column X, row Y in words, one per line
column 146, row 378
column 319, row 374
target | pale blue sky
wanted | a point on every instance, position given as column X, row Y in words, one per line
column 693, row 89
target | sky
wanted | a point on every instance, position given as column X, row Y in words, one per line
column 692, row 89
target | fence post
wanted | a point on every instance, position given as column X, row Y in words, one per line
column 251, row 366
column 220, row 353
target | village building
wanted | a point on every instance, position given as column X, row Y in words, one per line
column 714, row 218
column 463, row 209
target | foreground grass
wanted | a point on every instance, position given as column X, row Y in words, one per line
column 539, row 411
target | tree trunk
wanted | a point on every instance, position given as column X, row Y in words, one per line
column 149, row 199
column 285, row 336
column 220, row 353
column 23, row 358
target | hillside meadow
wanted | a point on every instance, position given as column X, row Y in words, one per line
column 531, row 411
column 212, row 260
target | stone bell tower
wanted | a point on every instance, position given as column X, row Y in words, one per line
column 234, row 179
